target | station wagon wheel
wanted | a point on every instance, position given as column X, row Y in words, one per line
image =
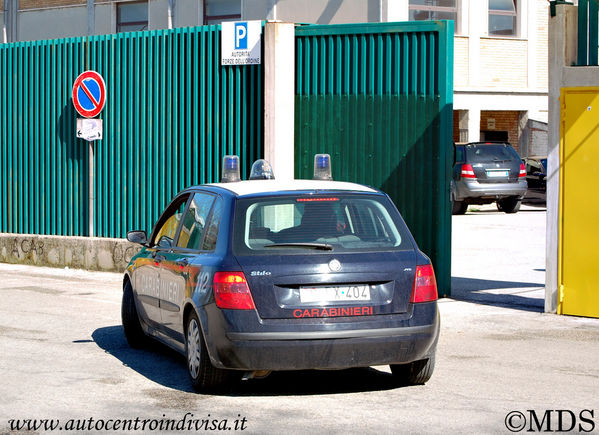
column 509, row 205
column 204, row 376
column 458, row 207
column 133, row 331
column 414, row 373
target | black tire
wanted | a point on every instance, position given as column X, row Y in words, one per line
column 509, row 205
column 414, row 373
column 204, row 376
column 458, row 207
column 133, row 331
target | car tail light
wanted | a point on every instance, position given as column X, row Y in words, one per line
column 231, row 291
column 468, row 171
column 425, row 285
column 522, row 171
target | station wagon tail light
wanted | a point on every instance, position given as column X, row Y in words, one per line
column 467, row 171
column 231, row 291
column 522, row 171
column 425, row 285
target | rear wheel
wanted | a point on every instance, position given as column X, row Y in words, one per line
column 414, row 373
column 458, row 207
column 133, row 331
column 204, row 376
column 509, row 205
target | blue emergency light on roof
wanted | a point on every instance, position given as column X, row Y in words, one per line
column 261, row 170
column 322, row 167
column 230, row 169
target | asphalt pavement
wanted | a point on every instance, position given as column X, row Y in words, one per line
column 501, row 361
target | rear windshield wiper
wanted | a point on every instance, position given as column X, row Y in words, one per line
column 322, row 246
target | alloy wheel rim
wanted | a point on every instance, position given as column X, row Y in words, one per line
column 193, row 348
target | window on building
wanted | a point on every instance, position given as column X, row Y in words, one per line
column 132, row 16
column 434, row 10
column 216, row 11
column 503, row 18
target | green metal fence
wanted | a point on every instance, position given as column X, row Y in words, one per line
column 378, row 98
column 588, row 32
column 172, row 112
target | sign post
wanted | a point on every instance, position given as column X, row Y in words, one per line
column 89, row 97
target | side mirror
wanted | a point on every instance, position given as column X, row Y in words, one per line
column 137, row 236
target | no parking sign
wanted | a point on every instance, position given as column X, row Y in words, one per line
column 89, row 94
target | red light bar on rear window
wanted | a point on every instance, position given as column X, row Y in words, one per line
column 316, row 199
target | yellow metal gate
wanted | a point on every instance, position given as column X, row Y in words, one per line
column 579, row 207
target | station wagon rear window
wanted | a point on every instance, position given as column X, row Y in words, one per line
column 335, row 222
column 491, row 153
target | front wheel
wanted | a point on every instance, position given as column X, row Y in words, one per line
column 204, row 376
column 414, row 373
column 131, row 325
column 509, row 205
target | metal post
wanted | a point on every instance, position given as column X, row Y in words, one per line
column 92, row 197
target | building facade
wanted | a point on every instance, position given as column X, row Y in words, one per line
column 500, row 69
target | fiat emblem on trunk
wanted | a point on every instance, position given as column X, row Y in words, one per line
column 335, row 265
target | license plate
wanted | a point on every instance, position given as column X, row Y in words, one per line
column 335, row 293
column 497, row 174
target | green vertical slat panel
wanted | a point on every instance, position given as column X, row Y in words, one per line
column 388, row 124
column 583, row 29
column 171, row 113
column 593, row 31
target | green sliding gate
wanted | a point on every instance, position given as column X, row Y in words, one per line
column 378, row 98
column 172, row 112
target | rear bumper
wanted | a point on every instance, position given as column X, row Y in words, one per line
column 472, row 189
column 330, row 345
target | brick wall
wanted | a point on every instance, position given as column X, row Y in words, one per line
column 503, row 63
column 504, row 121
column 456, row 125
column 542, row 46
column 460, row 62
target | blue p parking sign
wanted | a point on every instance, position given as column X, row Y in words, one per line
column 241, row 42
column 241, row 36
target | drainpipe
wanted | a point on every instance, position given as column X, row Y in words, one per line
column 171, row 13
column 5, row 21
column 91, row 19
column 9, row 27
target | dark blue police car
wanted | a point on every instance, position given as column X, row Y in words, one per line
column 246, row 277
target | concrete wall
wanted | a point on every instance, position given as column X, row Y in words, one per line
column 50, row 19
column 314, row 11
column 103, row 254
column 563, row 36
column 52, row 23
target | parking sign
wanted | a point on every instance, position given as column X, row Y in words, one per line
column 241, row 36
column 241, row 42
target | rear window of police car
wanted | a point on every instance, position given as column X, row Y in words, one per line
column 337, row 222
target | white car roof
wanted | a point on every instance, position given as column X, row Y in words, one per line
column 250, row 187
